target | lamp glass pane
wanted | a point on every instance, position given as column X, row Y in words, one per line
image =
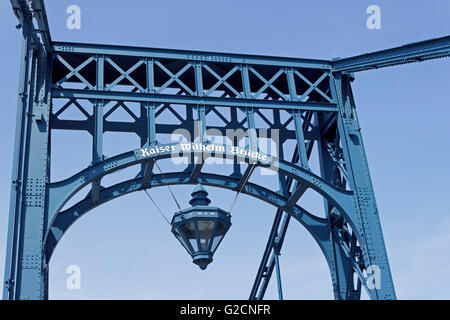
column 215, row 243
column 205, row 229
column 220, row 232
column 180, row 238
column 188, row 230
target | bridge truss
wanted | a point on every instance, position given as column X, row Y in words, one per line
column 308, row 102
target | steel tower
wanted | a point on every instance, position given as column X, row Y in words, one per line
column 308, row 101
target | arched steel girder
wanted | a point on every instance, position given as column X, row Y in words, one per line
column 316, row 226
column 61, row 192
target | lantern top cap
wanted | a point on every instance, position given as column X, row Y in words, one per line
column 199, row 188
column 199, row 196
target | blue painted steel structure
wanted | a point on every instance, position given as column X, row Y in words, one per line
column 309, row 101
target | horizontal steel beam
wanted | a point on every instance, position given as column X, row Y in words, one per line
column 413, row 52
column 84, row 48
column 182, row 99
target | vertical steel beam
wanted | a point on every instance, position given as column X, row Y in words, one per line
column 151, row 124
column 148, row 114
column 148, row 138
column 340, row 265
column 277, row 267
column 9, row 287
column 150, row 76
column 234, row 122
column 252, row 136
column 97, row 145
column 29, row 278
column 201, row 112
column 201, row 120
column 368, row 223
column 97, row 141
column 303, row 158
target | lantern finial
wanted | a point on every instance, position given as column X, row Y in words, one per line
column 199, row 196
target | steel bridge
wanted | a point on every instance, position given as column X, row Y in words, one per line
column 308, row 101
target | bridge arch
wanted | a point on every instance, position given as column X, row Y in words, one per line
column 318, row 227
column 61, row 192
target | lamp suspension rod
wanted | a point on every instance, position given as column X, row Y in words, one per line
column 242, row 187
column 171, row 192
column 157, row 207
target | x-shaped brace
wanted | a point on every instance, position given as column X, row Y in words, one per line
column 74, row 72
column 222, row 80
column 313, row 86
column 174, row 77
column 267, row 83
column 124, row 75
column 68, row 104
column 116, row 106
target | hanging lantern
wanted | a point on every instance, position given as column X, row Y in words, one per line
column 201, row 228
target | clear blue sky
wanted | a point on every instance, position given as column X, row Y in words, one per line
column 125, row 250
